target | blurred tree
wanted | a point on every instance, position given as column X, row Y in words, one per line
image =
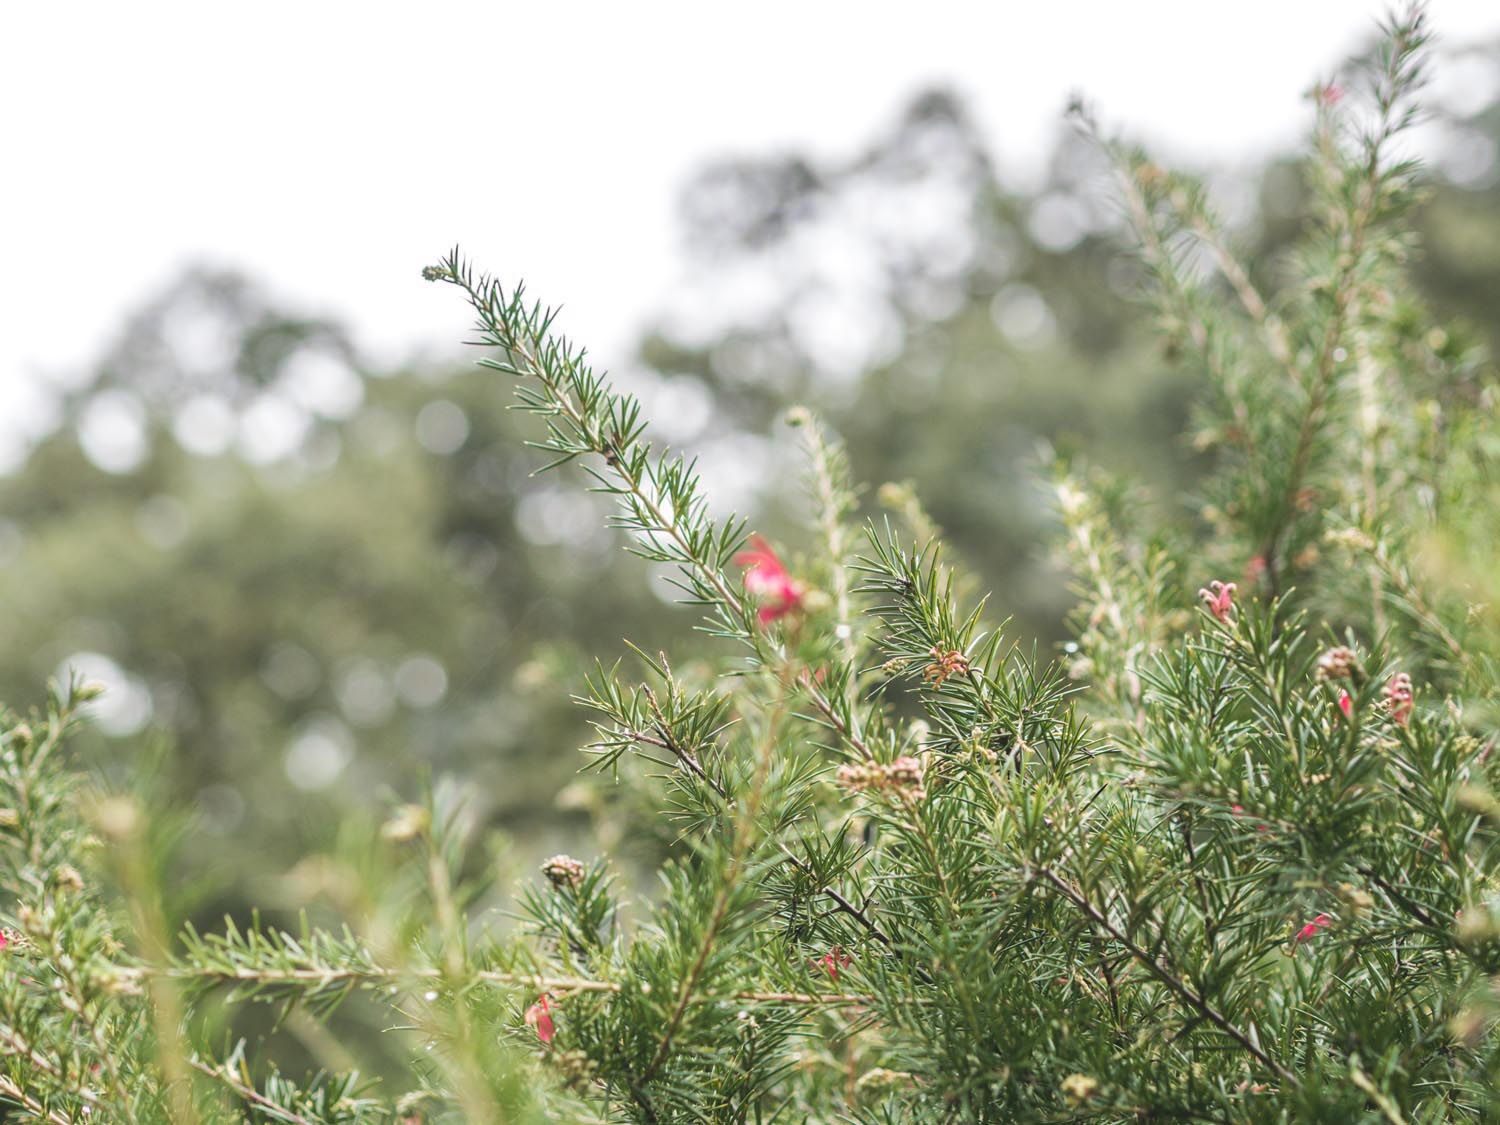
column 282, row 557
column 284, row 562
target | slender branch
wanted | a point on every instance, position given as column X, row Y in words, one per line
column 1192, row 855
column 531, row 352
column 9, row 1089
column 1170, row 980
column 668, row 741
column 538, row 982
column 250, row 1094
column 1406, row 903
column 743, row 838
column 842, row 903
column 1244, row 288
column 16, row 1044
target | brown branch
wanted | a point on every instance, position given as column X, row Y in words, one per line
column 1147, row 961
column 668, row 741
column 9, row 1089
column 250, row 1094
column 842, row 903
column 1403, row 901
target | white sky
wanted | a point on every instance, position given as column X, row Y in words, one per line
column 332, row 150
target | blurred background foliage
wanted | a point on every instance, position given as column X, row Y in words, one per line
column 310, row 582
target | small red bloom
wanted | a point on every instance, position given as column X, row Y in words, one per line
column 1398, row 697
column 1346, row 704
column 1218, row 598
column 767, row 580
column 1310, row 931
column 539, row 1016
column 834, row 960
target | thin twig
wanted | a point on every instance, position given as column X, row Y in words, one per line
column 668, row 741
column 1173, row 983
column 9, row 1089
column 250, row 1094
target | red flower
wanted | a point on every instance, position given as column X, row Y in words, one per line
column 834, row 960
column 1346, row 704
column 1310, row 931
column 1218, row 599
column 539, row 1016
column 767, row 580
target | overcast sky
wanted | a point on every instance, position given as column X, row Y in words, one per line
column 332, row 150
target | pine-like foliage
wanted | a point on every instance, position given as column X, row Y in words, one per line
column 1233, row 859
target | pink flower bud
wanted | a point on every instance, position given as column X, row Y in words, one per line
column 1398, row 697
column 539, row 1016
column 1218, row 599
column 834, row 960
column 1310, row 931
column 767, row 580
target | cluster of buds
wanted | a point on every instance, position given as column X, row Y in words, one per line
column 1218, row 598
column 1338, row 663
column 903, row 778
column 563, row 871
column 15, row 941
column 944, row 665
column 1398, row 697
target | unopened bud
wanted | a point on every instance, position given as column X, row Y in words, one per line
column 1338, row 663
column 409, row 822
column 563, row 871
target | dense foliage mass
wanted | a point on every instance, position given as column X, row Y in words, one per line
column 1234, row 858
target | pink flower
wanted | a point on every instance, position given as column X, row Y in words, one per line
column 1346, row 704
column 1398, row 697
column 1328, row 95
column 834, row 960
column 767, row 580
column 539, row 1016
column 1218, row 598
column 1310, row 931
